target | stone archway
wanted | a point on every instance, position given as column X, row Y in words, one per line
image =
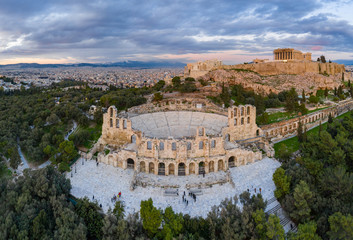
column 181, row 169
column 220, row 165
column 211, row 166
column 130, row 163
column 192, row 168
column 231, row 162
column 161, row 169
column 171, row 169
column 151, row 167
column 142, row 166
column 202, row 168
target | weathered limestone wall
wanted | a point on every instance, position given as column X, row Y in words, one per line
column 276, row 68
column 241, row 123
column 199, row 69
column 276, row 131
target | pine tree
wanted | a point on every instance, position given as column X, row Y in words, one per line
column 300, row 131
column 302, row 198
column 330, row 119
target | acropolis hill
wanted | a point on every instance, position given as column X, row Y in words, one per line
column 289, row 68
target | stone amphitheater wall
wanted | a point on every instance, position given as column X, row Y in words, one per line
column 180, row 104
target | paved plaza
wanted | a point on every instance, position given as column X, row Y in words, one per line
column 178, row 124
column 103, row 181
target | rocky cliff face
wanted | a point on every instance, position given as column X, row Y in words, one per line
column 310, row 82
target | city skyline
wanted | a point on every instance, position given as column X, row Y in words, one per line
column 234, row 32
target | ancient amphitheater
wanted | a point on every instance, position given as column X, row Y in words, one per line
column 180, row 142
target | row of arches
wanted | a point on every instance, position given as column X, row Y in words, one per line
column 293, row 126
column 182, row 169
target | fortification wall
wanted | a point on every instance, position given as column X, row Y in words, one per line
column 277, row 68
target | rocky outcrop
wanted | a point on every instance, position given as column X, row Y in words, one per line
column 310, row 82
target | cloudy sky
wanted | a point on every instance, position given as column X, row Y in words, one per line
column 71, row 31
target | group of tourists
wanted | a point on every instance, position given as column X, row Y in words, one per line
column 185, row 200
column 116, row 197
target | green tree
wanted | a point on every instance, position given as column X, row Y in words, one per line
column 151, row 217
column 157, row 97
column 307, row 231
column 173, row 224
column 119, row 210
column 302, row 201
column 341, row 227
column 300, row 131
column 322, row 59
column 93, row 219
column 282, row 182
column 260, row 223
column 291, row 103
column 274, row 228
column 176, row 82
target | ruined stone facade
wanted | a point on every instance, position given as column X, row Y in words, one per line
column 199, row 69
column 206, row 150
column 290, row 54
column 279, row 130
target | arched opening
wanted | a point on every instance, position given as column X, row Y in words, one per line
column 174, row 146
column 181, row 169
column 133, row 138
column 161, row 169
column 192, row 168
column 151, row 167
column 227, row 137
column 149, row 145
column 211, row 166
column 188, row 145
column 231, row 162
column 220, row 165
column 142, row 166
column 201, row 145
column 130, row 163
column 201, row 168
column 171, row 169
column 161, row 145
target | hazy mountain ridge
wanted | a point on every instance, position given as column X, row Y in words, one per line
column 124, row 64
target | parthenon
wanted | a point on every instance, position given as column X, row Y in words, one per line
column 291, row 55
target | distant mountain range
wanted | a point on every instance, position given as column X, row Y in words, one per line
column 125, row 64
column 345, row 62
